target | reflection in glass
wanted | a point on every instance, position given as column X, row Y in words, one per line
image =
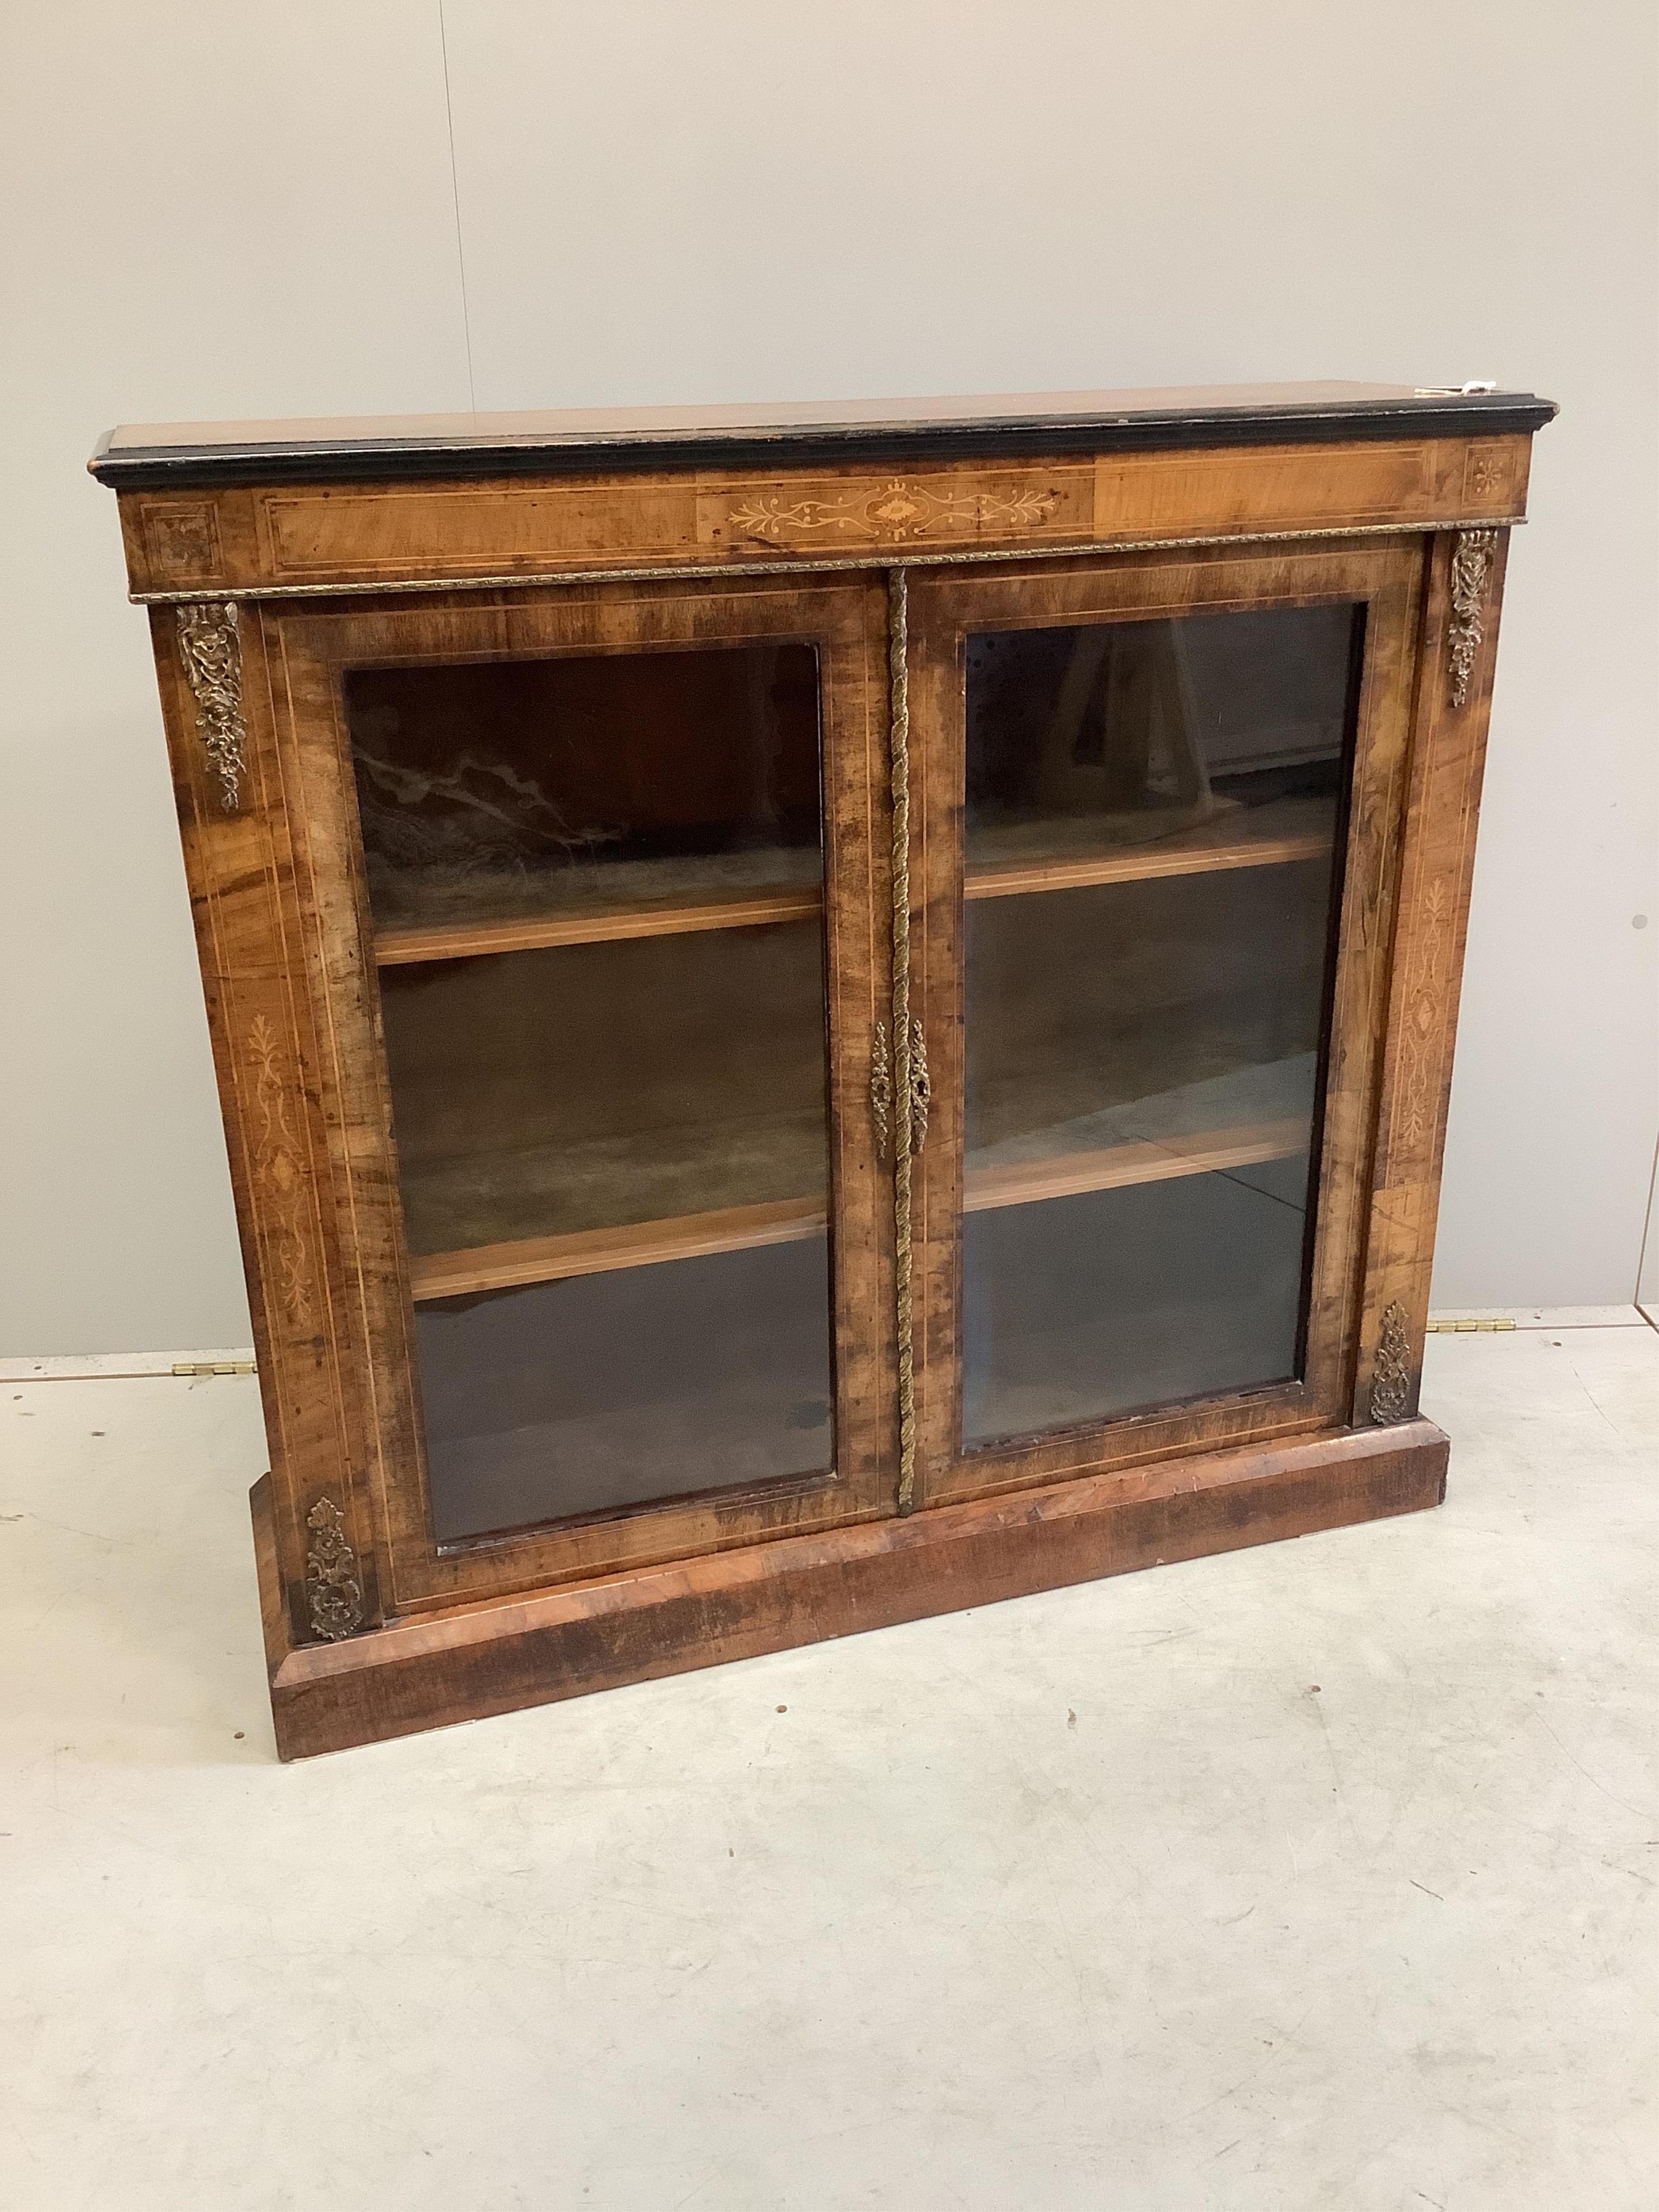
column 504, row 789
column 542, row 1093
column 597, row 885
column 608, row 1390
column 1152, row 831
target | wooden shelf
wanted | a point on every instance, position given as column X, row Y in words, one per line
column 464, row 940
column 1067, row 1174
column 738, row 1228
column 1268, row 836
column 1298, row 830
column 595, row 1251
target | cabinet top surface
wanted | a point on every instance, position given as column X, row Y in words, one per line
column 795, row 433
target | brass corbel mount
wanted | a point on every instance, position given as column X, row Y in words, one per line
column 209, row 641
column 1472, row 559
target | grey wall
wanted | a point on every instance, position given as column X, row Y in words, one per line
column 224, row 211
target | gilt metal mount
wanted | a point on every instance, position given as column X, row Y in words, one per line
column 1391, row 1371
column 209, row 641
column 1471, row 558
column 912, row 1111
column 334, row 1586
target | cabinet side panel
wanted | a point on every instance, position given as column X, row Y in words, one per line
column 307, row 717
column 239, row 869
column 1453, row 704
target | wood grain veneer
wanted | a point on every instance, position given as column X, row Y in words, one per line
column 346, row 547
column 494, row 1658
column 297, row 538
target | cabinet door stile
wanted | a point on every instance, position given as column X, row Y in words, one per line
column 858, row 906
column 248, row 898
column 936, row 698
column 1370, row 897
column 303, row 649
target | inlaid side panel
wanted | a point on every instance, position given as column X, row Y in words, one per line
column 292, row 537
column 1454, row 698
column 250, row 935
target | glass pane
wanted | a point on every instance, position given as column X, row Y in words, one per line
column 608, row 1390
column 1153, row 831
column 497, row 789
column 611, row 1133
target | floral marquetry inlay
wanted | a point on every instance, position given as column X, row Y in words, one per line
column 182, row 539
column 279, row 1175
column 1424, row 1010
column 894, row 513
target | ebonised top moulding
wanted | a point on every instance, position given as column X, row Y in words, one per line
column 795, row 434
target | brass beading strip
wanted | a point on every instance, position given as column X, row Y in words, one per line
column 1471, row 567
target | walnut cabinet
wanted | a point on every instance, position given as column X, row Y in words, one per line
column 822, row 1014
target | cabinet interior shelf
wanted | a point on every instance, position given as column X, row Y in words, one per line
column 527, row 1260
column 596, row 1251
column 1068, row 1174
column 1260, row 837
column 1268, row 836
column 463, row 940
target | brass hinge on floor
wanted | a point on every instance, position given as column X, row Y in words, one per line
column 1485, row 1327
column 214, row 1367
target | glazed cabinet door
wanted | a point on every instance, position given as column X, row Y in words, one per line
column 1158, row 818
column 591, row 930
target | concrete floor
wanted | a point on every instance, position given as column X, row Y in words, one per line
column 1317, row 1877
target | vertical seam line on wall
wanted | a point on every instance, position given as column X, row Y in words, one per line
column 455, row 196
column 1647, row 1227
